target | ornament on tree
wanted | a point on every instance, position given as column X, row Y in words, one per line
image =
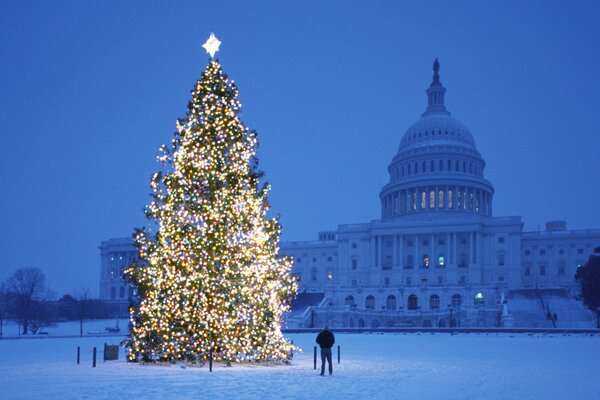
column 211, row 280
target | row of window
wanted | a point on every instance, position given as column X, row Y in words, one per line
column 424, row 280
column 542, row 269
column 412, row 168
column 113, row 292
column 412, row 302
column 542, row 252
column 438, row 198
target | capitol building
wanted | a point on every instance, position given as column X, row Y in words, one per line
column 436, row 257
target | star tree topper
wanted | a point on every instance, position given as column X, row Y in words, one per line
column 212, row 45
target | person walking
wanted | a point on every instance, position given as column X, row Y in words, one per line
column 325, row 340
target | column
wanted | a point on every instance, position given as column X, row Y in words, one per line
column 401, row 250
column 394, row 251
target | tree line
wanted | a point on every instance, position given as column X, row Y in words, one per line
column 25, row 299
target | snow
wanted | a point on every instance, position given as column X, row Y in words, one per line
column 373, row 366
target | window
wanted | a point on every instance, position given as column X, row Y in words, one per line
column 413, row 302
column 441, row 199
column 463, row 260
column 313, row 274
column 542, row 252
column 329, row 259
column 314, row 259
column 113, row 293
column 298, row 259
column 527, row 252
column 449, row 198
column 354, row 283
column 441, row 165
column 408, row 169
column 424, row 279
column 561, row 268
column 501, row 259
column 501, row 239
column 500, row 278
column 390, row 302
column 542, row 270
column 441, row 242
column 349, row 302
column 425, row 263
column 386, row 281
column 424, row 166
column 426, row 242
column 434, row 302
column 409, row 261
column 440, row 279
column 354, row 263
column 387, row 264
column 479, row 299
column 441, row 261
column 432, row 199
column 370, row 302
column 409, row 243
column 432, row 166
column 527, row 271
column 416, row 168
column 463, row 241
column 354, row 245
column 456, row 300
column 449, row 165
column 423, row 199
column 121, row 292
column 561, row 252
column 579, row 251
column 408, row 280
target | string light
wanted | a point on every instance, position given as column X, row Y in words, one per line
column 211, row 278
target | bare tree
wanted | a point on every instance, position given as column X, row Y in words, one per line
column 83, row 303
column 29, row 296
column 4, row 307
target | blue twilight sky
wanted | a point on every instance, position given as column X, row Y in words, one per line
column 89, row 90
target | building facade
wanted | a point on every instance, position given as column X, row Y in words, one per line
column 436, row 257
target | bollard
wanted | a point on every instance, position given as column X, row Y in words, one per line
column 94, row 359
column 210, row 360
column 338, row 353
column 315, row 357
column 78, row 354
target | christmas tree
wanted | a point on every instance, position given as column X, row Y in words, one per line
column 211, row 280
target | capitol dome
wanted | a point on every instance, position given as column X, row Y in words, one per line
column 437, row 167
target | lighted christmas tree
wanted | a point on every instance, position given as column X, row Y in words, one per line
column 211, row 280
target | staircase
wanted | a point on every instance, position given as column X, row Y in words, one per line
column 530, row 309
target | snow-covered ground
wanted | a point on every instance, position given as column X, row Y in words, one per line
column 373, row 366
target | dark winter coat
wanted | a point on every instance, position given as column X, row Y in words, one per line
column 325, row 339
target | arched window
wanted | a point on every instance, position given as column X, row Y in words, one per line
column 450, row 198
column 113, row 293
column 425, row 263
column 479, row 299
column 432, row 199
column 349, row 302
column 390, row 302
column 413, row 302
column 441, row 199
column 456, row 300
column 370, row 302
column 463, row 260
column 423, row 199
column 387, row 264
column 434, row 302
column 313, row 273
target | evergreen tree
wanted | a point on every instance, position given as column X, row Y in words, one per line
column 211, row 279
